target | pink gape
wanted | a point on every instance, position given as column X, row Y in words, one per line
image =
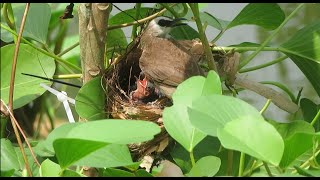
column 142, row 90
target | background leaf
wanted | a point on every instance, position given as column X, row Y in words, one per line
column 177, row 124
column 69, row 151
column 29, row 61
column 49, row 169
column 266, row 15
column 9, row 159
column 238, row 126
column 90, row 100
column 207, row 166
column 37, row 23
column 309, row 111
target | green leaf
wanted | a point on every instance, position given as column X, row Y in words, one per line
column 176, row 121
column 307, row 172
column 116, row 39
column 197, row 86
column 117, row 131
column 29, row 61
column 126, row 16
column 289, row 129
column 9, row 159
column 310, row 69
column 218, row 110
column 70, row 173
column 69, row 151
column 37, row 22
column 207, row 147
column 256, row 138
column 7, row 173
column 207, row 166
column 305, row 44
column 113, row 155
column 309, row 111
column 111, row 172
column 49, row 169
column 90, row 100
column 295, row 146
column 184, row 32
column 142, row 173
column 266, row 15
column 221, row 116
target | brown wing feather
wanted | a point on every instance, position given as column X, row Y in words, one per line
column 167, row 62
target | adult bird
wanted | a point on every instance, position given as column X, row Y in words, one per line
column 166, row 62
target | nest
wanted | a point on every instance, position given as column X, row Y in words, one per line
column 121, row 79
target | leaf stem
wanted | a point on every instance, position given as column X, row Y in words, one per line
column 251, row 56
column 208, row 53
column 239, row 49
column 315, row 118
column 135, row 26
column 67, row 76
column 6, row 17
column 193, row 163
column 264, row 65
column 265, row 106
column 241, row 164
column 11, row 90
column 267, row 168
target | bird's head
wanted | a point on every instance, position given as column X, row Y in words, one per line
column 161, row 26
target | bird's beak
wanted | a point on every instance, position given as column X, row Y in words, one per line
column 176, row 22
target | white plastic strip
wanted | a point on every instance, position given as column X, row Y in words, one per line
column 62, row 97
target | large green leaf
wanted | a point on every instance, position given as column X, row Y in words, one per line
column 9, row 159
column 304, row 50
column 305, row 44
column 289, row 129
column 309, row 111
column 207, row 166
column 209, row 146
column 113, row 155
column 69, row 151
column 90, row 100
column 29, row 61
column 37, row 23
column 116, row 131
column 310, row 69
column 266, row 15
column 177, row 123
column 295, row 146
column 195, row 87
column 111, row 172
column 238, row 126
column 49, row 169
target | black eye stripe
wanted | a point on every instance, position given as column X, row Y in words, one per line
column 164, row 23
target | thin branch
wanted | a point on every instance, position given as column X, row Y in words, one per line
column 13, row 73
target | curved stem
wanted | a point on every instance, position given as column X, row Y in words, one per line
column 6, row 17
column 265, row 106
column 139, row 21
column 264, row 65
column 241, row 164
column 135, row 26
column 11, row 90
column 315, row 118
column 208, row 53
column 251, row 56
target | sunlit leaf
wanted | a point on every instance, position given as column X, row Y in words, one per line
column 29, row 61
